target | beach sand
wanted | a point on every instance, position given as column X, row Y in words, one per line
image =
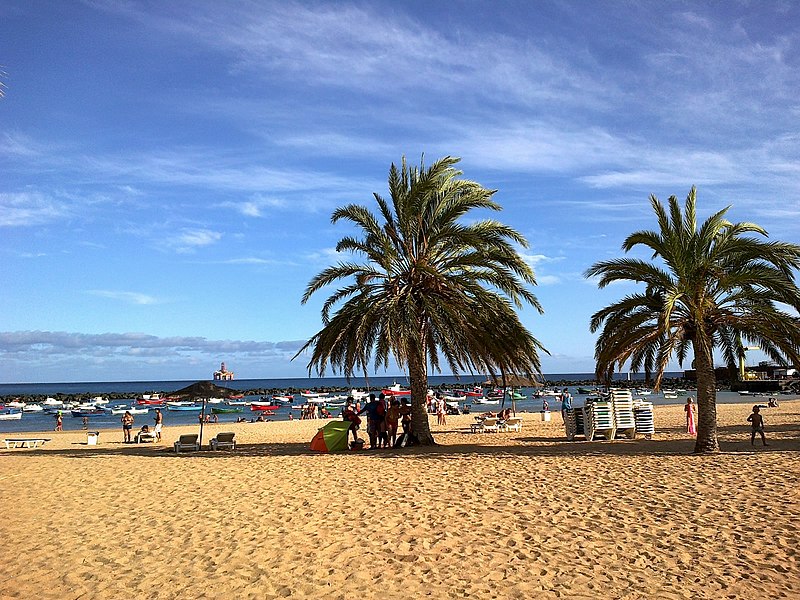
column 506, row 515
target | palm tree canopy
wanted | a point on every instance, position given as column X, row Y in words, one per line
column 717, row 285
column 431, row 286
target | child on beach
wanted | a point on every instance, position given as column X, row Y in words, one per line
column 757, row 426
column 689, row 408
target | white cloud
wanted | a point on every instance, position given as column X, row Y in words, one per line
column 26, row 209
column 127, row 297
column 190, row 239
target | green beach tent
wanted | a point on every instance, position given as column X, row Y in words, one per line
column 332, row 437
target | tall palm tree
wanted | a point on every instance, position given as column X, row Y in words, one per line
column 715, row 287
column 432, row 286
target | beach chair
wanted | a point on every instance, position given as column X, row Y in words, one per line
column 25, row 442
column 145, row 436
column 223, row 440
column 187, row 442
column 513, row 424
column 490, row 425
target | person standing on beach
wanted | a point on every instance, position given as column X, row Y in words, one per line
column 127, row 426
column 441, row 410
column 59, row 422
column 405, row 416
column 373, row 419
column 689, row 408
column 159, row 419
column 757, row 426
column 566, row 404
column 392, row 420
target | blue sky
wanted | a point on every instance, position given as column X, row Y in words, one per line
column 169, row 169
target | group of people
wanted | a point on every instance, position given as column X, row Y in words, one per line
column 127, row 426
column 384, row 417
column 312, row 411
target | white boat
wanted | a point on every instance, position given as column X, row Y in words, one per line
column 10, row 415
column 670, row 394
column 310, row 394
column 15, row 404
column 52, row 403
column 33, row 408
column 486, row 401
column 98, row 400
column 121, row 410
column 285, row 399
column 358, row 394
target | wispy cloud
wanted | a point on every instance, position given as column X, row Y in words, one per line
column 26, row 209
column 126, row 297
column 191, row 239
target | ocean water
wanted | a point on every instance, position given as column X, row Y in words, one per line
column 46, row 422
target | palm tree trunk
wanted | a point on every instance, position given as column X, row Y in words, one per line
column 706, row 399
column 418, row 372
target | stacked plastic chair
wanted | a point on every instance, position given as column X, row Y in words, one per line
column 598, row 419
column 643, row 415
column 624, row 421
column 573, row 424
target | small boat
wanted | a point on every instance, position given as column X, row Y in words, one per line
column 287, row 399
column 121, row 410
column 518, row 396
column 183, row 406
column 15, row 404
column 52, row 403
column 263, row 406
column 486, row 401
column 151, row 399
column 395, row 390
column 310, row 394
column 358, row 394
column 10, row 415
column 587, row 391
column 222, row 410
column 33, row 408
column 87, row 412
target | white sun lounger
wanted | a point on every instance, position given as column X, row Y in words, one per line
column 25, row 442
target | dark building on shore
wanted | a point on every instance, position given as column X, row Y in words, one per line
column 766, row 377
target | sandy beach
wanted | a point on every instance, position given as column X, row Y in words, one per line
column 506, row 515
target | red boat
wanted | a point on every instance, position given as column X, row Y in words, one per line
column 151, row 399
column 255, row 406
column 397, row 392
